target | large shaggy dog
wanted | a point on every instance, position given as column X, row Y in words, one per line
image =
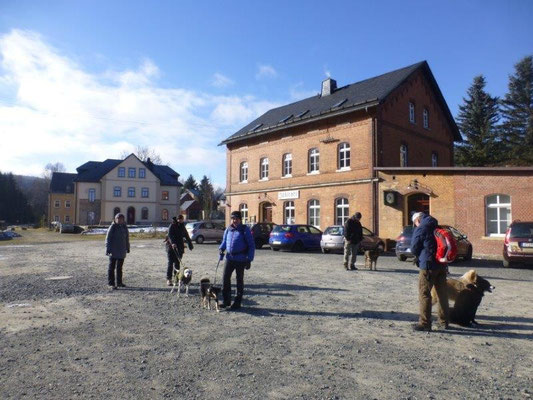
column 455, row 286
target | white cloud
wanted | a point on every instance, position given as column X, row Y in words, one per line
column 297, row 92
column 265, row 71
column 220, row 80
column 53, row 110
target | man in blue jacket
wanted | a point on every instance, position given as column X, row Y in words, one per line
column 238, row 243
column 424, row 246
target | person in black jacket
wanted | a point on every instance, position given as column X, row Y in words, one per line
column 353, row 235
column 175, row 247
column 117, row 245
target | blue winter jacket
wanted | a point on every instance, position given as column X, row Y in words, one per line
column 238, row 243
column 423, row 243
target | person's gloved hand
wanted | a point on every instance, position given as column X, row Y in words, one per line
column 107, row 253
column 248, row 265
column 127, row 251
column 191, row 246
column 221, row 255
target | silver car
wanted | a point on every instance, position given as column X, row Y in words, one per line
column 333, row 240
column 205, row 230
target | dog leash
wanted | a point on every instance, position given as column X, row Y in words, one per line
column 216, row 269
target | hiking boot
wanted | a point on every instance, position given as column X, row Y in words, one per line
column 421, row 328
column 353, row 267
column 121, row 285
column 111, row 287
column 235, row 306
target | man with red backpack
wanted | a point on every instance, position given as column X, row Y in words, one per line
column 432, row 272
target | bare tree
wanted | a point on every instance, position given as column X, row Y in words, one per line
column 144, row 153
column 50, row 168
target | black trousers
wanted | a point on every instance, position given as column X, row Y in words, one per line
column 173, row 261
column 114, row 263
column 229, row 267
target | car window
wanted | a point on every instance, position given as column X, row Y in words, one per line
column 522, row 230
column 190, row 225
column 314, row 231
column 334, row 231
column 282, row 228
column 366, row 232
column 455, row 233
column 209, row 225
column 303, row 229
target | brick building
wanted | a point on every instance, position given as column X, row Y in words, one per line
column 318, row 160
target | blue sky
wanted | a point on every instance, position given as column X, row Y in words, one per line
column 86, row 80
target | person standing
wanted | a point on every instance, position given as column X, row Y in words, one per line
column 353, row 235
column 432, row 273
column 239, row 245
column 175, row 247
column 117, row 244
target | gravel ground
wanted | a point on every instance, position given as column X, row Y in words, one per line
column 308, row 330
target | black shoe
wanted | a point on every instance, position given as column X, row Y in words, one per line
column 235, row 306
column 111, row 287
column 353, row 268
column 421, row 328
column 222, row 305
column 121, row 285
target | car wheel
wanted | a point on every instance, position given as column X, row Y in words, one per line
column 298, row 246
column 274, row 249
column 258, row 243
column 468, row 255
column 402, row 258
column 200, row 239
column 325, row 251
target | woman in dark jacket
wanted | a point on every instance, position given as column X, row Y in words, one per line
column 117, row 244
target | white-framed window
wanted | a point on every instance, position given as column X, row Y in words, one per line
column 56, row 218
column 434, row 159
column 145, row 192
column 498, row 211
column 288, row 212
column 342, row 210
column 117, row 191
column 92, row 195
column 142, row 173
column 144, row 213
column 57, row 204
column 243, row 208
column 165, row 195
column 403, row 155
column 131, row 192
column 121, row 172
column 67, row 218
column 164, row 214
column 243, row 172
column 67, row 203
column 263, row 165
column 132, row 172
column 425, row 118
column 287, row 164
column 412, row 112
column 314, row 160
column 313, row 213
column 343, row 156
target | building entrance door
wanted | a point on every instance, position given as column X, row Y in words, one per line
column 266, row 212
column 417, row 202
column 131, row 216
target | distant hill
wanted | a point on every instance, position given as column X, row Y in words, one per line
column 36, row 191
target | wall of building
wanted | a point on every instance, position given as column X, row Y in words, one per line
column 62, row 212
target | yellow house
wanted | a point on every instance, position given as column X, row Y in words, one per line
column 61, row 199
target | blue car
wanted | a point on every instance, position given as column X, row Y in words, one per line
column 295, row 237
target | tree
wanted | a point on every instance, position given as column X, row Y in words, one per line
column 517, row 112
column 206, row 196
column 14, row 207
column 50, row 168
column 144, row 153
column 191, row 183
column 477, row 119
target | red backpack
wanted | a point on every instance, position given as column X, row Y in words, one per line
column 446, row 246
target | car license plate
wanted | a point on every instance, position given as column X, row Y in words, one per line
column 527, row 244
column 276, row 242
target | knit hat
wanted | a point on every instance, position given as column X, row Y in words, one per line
column 120, row 215
column 236, row 214
column 357, row 215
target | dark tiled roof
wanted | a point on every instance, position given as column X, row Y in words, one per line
column 62, row 182
column 348, row 98
column 166, row 175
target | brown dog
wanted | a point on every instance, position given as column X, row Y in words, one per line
column 371, row 258
column 455, row 286
column 209, row 292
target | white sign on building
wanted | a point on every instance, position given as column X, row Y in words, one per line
column 289, row 195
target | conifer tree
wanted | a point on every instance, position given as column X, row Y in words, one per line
column 477, row 119
column 190, row 183
column 517, row 112
column 206, row 196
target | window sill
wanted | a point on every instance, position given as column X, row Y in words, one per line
column 246, row 181
column 344, row 169
column 314, row 173
column 286, row 176
column 263, row 180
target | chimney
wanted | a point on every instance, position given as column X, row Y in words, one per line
column 328, row 86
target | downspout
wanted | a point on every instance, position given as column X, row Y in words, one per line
column 375, row 225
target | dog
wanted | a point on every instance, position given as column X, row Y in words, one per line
column 466, row 305
column 209, row 292
column 183, row 278
column 371, row 258
column 455, row 286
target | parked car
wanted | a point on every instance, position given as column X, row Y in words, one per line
column 12, row 234
column 403, row 243
column 295, row 237
column 518, row 243
column 205, row 230
column 261, row 233
column 3, row 236
column 333, row 240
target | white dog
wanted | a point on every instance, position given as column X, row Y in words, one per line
column 184, row 278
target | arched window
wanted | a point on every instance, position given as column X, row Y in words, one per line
column 263, row 167
column 403, row 155
column 434, row 159
column 164, row 214
column 116, row 210
column 287, row 164
column 343, row 156
column 243, row 208
column 288, row 212
column 243, row 172
column 342, row 210
column 144, row 213
column 314, row 160
column 313, row 213
column 498, row 209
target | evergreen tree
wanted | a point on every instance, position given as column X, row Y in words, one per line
column 14, row 207
column 477, row 119
column 206, row 196
column 190, row 183
column 517, row 111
